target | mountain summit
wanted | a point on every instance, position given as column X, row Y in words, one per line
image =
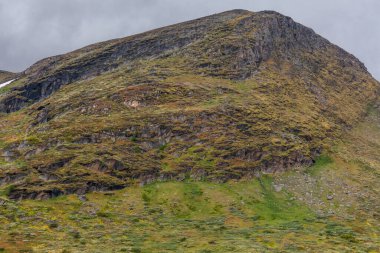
column 218, row 98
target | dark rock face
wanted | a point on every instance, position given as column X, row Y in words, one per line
column 51, row 193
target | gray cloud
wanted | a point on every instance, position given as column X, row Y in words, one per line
column 31, row 30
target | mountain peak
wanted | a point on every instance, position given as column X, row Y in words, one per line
column 236, row 12
column 232, row 41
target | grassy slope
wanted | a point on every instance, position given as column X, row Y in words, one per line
column 287, row 212
column 212, row 121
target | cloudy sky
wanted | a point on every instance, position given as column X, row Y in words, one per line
column 34, row 29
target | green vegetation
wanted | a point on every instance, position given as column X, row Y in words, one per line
column 320, row 163
column 169, row 142
column 191, row 217
column 250, row 215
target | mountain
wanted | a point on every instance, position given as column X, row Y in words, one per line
column 237, row 132
column 218, row 98
column 6, row 76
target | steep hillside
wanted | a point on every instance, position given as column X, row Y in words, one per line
column 6, row 76
column 222, row 97
column 332, row 206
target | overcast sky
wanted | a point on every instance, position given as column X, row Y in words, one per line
column 34, row 29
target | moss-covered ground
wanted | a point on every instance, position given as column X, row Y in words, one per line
column 329, row 207
column 245, row 216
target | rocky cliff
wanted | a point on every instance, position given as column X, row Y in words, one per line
column 217, row 98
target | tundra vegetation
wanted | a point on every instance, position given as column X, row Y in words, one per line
column 237, row 132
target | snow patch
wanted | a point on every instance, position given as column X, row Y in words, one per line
column 6, row 83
